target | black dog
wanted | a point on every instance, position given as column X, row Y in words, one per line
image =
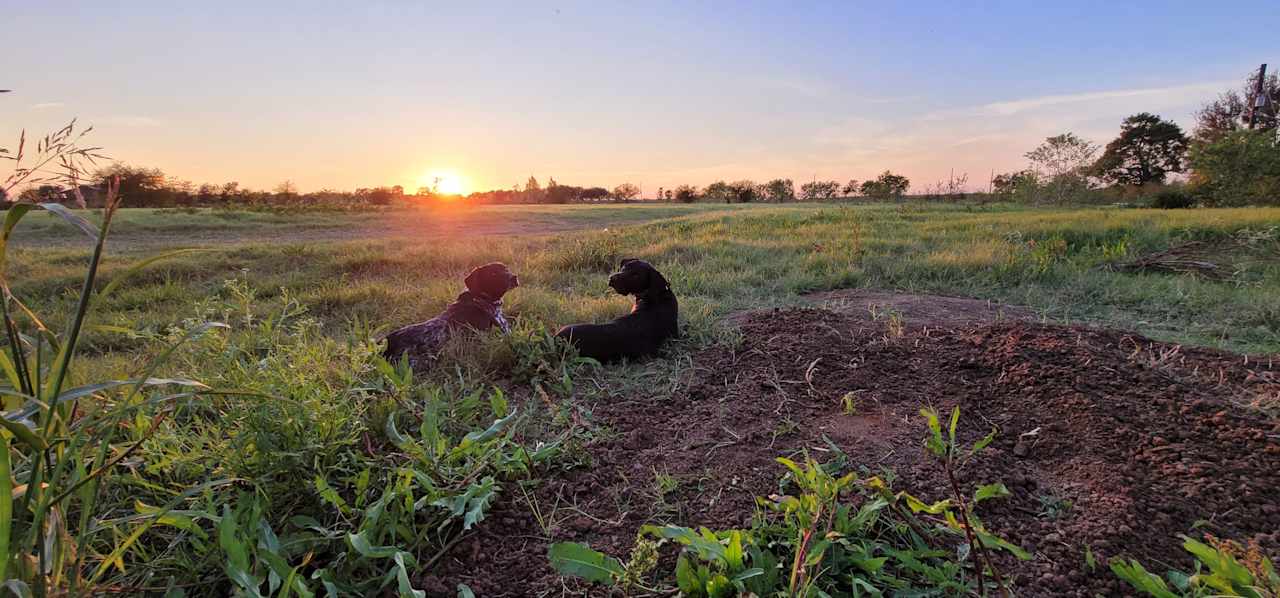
column 478, row 307
column 652, row 319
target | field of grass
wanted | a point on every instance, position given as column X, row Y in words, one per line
column 361, row 475
column 151, row 228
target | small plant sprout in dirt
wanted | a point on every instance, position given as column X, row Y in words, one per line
column 946, row 449
column 831, row 534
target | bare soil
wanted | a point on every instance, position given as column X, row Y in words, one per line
column 1109, row 441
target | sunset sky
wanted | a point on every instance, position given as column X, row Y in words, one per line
column 353, row 94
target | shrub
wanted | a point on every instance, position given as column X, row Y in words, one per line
column 1173, row 199
column 686, row 194
column 1241, row 168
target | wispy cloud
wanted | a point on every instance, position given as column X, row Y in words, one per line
column 47, row 105
column 1175, row 92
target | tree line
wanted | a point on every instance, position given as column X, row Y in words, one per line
column 1232, row 158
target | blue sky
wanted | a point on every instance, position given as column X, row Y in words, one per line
column 347, row 94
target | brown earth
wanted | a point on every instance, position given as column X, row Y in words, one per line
column 1107, row 440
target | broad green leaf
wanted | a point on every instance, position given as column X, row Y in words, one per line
column 402, row 578
column 916, row 505
column 981, row 444
column 933, row 441
column 489, row 433
column 747, row 574
column 464, row 591
column 816, row 552
column 366, row 549
column 328, row 494
column 996, row 490
column 24, row 430
column 955, row 421
column 870, row 565
column 719, row 586
column 703, row 548
column 1141, row 579
column 733, row 553
column 686, row 578
column 992, row 541
column 498, row 403
column 579, row 560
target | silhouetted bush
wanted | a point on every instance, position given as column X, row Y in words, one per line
column 1172, row 199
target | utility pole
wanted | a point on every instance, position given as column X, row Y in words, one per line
column 1259, row 99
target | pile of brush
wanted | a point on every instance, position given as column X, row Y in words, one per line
column 1185, row 258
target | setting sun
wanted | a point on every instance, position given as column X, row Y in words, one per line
column 444, row 182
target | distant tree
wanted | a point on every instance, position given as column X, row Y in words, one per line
column 669, row 195
column 819, row 190
column 1063, row 164
column 229, row 190
column 779, row 190
column 397, row 191
column 850, row 188
column 532, row 185
column 1230, row 111
column 206, row 193
column 1147, row 149
column 139, row 187
column 558, row 193
column 626, row 192
column 719, row 191
column 686, row 194
column 1240, row 168
column 286, row 189
column 1021, row 183
column 886, row 186
column 745, row 191
column 594, row 193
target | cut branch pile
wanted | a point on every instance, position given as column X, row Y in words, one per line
column 1179, row 259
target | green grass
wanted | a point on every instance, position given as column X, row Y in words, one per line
column 720, row 261
column 371, row 474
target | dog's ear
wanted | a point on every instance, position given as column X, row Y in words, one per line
column 473, row 281
column 625, row 261
column 487, row 280
column 657, row 282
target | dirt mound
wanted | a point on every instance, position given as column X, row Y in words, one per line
column 1108, row 441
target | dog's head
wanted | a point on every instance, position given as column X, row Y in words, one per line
column 491, row 281
column 637, row 277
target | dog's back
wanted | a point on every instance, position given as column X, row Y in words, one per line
column 653, row 319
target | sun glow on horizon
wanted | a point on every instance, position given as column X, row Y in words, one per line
column 444, row 182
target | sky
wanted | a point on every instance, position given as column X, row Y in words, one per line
column 343, row 95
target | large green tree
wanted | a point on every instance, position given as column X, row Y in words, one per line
column 1147, row 150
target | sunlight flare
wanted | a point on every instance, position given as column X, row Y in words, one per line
column 444, row 182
